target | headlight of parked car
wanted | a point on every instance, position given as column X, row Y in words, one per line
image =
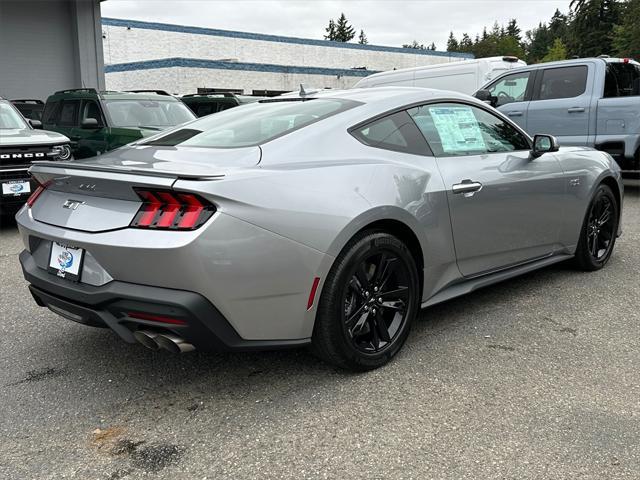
column 61, row 152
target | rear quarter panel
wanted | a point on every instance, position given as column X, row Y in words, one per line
column 321, row 194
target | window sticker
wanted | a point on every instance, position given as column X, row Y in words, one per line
column 458, row 129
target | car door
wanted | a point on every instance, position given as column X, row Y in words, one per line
column 561, row 104
column 90, row 141
column 505, row 206
column 512, row 94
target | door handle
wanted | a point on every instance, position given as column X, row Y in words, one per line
column 517, row 113
column 575, row 110
column 467, row 187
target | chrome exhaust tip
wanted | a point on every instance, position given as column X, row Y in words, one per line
column 173, row 343
column 147, row 338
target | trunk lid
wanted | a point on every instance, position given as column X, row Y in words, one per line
column 97, row 194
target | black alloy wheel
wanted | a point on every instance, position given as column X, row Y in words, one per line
column 368, row 302
column 376, row 301
column 599, row 230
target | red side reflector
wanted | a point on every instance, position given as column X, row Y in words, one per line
column 625, row 60
column 155, row 318
column 312, row 293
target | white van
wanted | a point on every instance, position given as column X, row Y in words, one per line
column 465, row 77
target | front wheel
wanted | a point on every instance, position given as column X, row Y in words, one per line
column 369, row 300
column 599, row 229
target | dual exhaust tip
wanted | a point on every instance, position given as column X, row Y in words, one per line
column 168, row 341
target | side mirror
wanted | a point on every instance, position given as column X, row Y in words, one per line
column 35, row 123
column 544, row 144
column 486, row 97
column 90, row 123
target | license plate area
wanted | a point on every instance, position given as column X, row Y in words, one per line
column 65, row 261
column 15, row 188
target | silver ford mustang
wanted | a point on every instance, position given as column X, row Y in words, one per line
column 325, row 219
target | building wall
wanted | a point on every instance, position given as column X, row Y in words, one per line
column 132, row 48
column 49, row 45
column 185, row 80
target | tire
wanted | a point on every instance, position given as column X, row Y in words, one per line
column 598, row 237
column 372, row 288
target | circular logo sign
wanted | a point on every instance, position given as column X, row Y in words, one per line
column 16, row 187
column 65, row 259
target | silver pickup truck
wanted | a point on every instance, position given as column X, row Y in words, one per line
column 590, row 101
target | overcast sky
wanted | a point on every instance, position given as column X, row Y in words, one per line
column 385, row 22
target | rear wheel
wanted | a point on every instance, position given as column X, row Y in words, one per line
column 599, row 229
column 368, row 303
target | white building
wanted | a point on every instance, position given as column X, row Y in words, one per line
column 181, row 59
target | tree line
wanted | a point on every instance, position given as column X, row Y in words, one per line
column 589, row 29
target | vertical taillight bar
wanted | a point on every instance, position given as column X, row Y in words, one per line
column 169, row 210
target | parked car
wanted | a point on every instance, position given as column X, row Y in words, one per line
column 21, row 144
column 325, row 220
column 466, row 76
column 203, row 105
column 30, row 109
column 97, row 122
column 592, row 102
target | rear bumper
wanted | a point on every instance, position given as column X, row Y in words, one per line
column 107, row 306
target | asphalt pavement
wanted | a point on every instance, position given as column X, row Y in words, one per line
column 535, row 378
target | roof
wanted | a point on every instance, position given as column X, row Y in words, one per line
column 573, row 61
column 392, row 95
column 111, row 95
column 437, row 66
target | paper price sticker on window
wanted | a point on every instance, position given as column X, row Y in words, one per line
column 458, row 129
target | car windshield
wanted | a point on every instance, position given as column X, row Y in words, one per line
column 254, row 124
column 10, row 118
column 148, row 113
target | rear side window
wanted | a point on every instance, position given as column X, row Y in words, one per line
column 563, row 82
column 394, row 132
column 622, row 80
column 50, row 111
column 68, row 113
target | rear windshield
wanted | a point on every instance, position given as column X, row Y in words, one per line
column 622, row 80
column 255, row 123
column 10, row 118
column 147, row 113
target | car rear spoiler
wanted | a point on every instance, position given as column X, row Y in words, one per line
column 44, row 166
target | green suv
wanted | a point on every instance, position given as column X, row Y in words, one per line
column 202, row 104
column 97, row 122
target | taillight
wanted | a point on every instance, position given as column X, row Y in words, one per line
column 35, row 194
column 168, row 210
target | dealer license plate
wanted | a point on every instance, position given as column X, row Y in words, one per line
column 66, row 261
column 16, row 187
